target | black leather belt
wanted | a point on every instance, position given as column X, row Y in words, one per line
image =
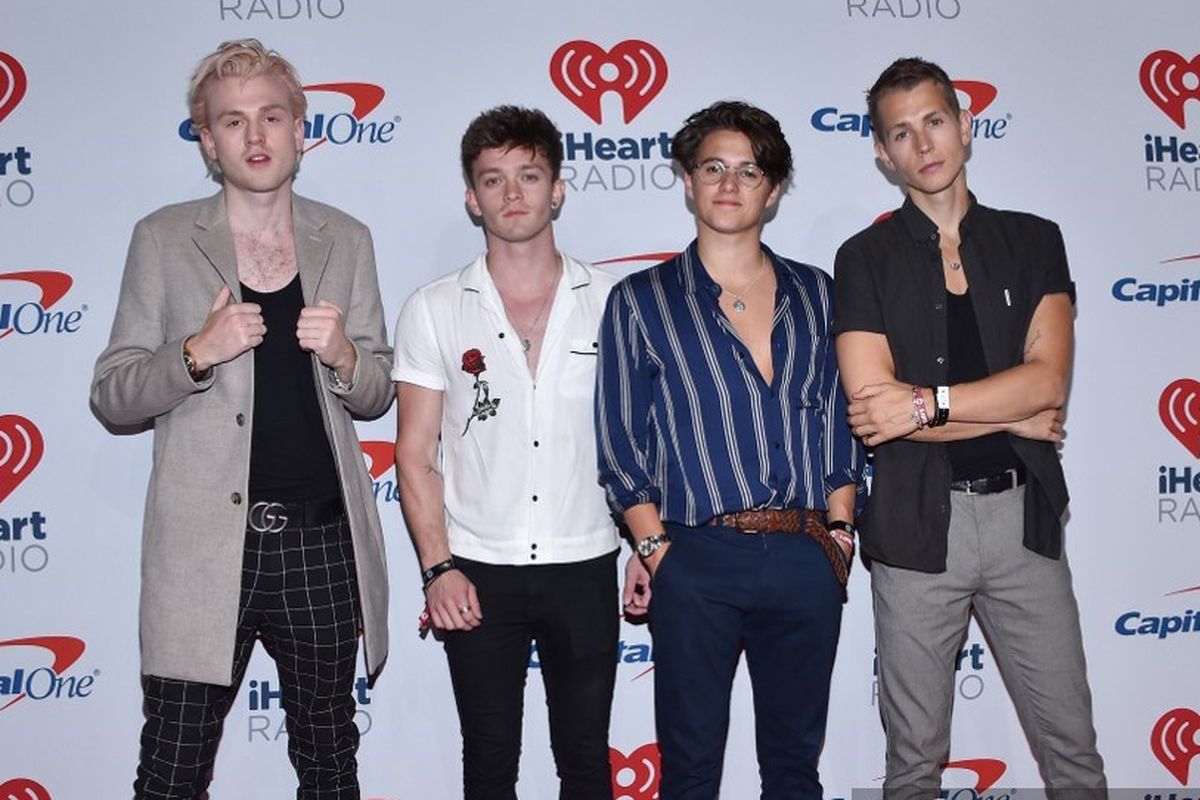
column 272, row 516
column 1009, row 479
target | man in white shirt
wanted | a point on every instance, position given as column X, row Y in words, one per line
column 511, row 528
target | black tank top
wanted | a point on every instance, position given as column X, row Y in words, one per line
column 290, row 457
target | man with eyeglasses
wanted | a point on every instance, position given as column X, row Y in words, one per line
column 723, row 441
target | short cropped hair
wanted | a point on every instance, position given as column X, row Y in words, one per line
column 902, row 75
column 244, row 59
column 771, row 151
column 507, row 127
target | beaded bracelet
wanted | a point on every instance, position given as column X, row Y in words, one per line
column 919, row 412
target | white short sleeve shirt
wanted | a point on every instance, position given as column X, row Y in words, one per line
column 518, row 453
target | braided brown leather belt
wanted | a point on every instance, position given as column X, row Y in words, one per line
column 789, row 520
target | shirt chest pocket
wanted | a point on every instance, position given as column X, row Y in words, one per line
column 579, row 369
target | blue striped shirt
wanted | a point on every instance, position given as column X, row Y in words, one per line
column 684, row 419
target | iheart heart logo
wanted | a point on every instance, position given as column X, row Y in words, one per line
column 584, row 72
column 21, row 448
column 1179, row 409
column 635, row 776
column 381, row 456
column 1173, row 741
column 23, row 789
column 12, row 84
column 1170, row 81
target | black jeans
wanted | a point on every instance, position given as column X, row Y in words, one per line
column 300, row 596
column 571, row 611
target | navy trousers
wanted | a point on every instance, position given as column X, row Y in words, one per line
column 716, row 593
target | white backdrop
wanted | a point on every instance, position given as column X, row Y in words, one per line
column 1083, row 117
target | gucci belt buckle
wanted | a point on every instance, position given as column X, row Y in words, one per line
column 265, row 517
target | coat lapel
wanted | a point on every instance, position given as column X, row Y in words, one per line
column 313, row 245
column 215, row 241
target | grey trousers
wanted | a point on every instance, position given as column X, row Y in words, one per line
column 1025, row 605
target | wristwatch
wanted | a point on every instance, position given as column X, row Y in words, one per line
column 841, row 525
column 646, row 547
column 189, row 363
column 941, row 400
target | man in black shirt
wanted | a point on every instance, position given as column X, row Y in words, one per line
column 249, row 329
column 954, row 342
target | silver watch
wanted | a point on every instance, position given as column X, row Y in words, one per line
column 646, row 547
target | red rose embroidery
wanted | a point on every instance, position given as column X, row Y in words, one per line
column 485, row 405
column 472, row 362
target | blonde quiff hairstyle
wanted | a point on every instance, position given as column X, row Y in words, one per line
column 244, row 59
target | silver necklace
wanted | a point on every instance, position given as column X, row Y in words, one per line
column 527, row 334
column 739, row 305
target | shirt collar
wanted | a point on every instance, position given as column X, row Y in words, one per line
column 922, row 229
column 474, row 277
column 695, row 277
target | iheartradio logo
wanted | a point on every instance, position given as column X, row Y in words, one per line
column 21, row 448
column 380, row 456
column 584, row 72
column 1174, row 742
column 634, row 776
column 12, row 88
column 23, row 789
column 1179, row 408
column 1170, row 81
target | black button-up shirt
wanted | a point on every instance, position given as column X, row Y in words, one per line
column 889, row 280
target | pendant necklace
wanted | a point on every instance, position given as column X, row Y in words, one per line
column 527, row 334
column 739, row 305
column 955, row 265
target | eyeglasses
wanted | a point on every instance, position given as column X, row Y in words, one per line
column 712, row 172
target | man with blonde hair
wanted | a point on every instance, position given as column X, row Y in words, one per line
column 249, row 331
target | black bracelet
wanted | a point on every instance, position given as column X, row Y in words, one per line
column 841, row 525
column 428, row 576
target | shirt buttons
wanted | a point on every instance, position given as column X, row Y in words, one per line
column 236, row 498
column 240, row 419
column 933, row 237
column 535, row 498
column 941, row 360
column 533, row 546
column 533, row 556
column 536, row 443
column 501, row 334
column 937, row 306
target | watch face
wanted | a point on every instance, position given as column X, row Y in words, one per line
column 647, row 546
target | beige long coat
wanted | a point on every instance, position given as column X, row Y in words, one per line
column 195, row 516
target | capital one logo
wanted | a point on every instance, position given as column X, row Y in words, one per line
column 635, row 776
column 380, row 457
column 1170, row 81
column 340, row 128
column 979, row 95
column 21, row 448
column 1179, row 409
column 23, row 789
column 12, row 84
column 584, row 72
column 33, row 317
column 1174, row 742
column 41, row 683
column 987, row 771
